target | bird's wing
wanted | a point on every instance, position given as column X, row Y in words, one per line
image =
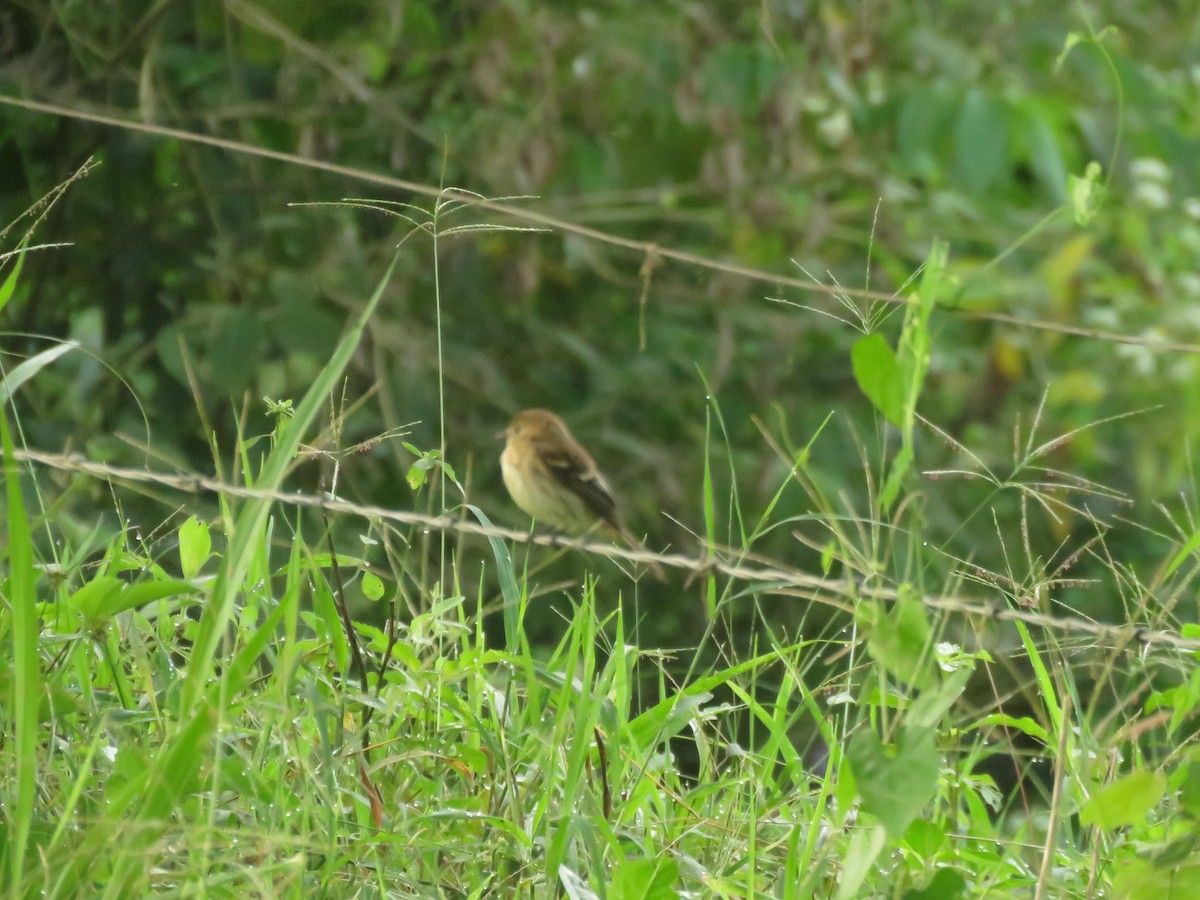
column 578, row 473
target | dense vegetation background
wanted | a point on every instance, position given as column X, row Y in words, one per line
column 828, row 140
column 790, row 148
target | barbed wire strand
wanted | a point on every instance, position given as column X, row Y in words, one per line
column 652, row 252
column 770, row 576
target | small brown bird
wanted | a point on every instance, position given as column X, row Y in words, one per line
column 553, row 479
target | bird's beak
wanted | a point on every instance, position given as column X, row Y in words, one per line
column 501, row 435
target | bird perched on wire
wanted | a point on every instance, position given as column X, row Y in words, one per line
column 553, row 479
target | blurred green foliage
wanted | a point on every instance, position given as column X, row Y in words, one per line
column 837, row 139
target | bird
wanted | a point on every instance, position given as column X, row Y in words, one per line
column 553, row 479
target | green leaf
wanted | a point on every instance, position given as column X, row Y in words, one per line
column 106, row 596
column 1023, row 724
column 895, row 479
column 928, row 710
column 926, row 115
column 739, row 74
column 344, row 560
column 235, row 350
column 879, row 376
column 1142, row 880
column 1039, row 139
column 946, row 884
column 1127, row 801
column 912, row 359
column 10, row 283
column 26, row 687
column 827, row 556
column 981, row 140
column 20, row 374
column 645, row 879
column 132, row 596
column 1189, row 547
column 88, row 599
column 1087, row 194
column 1177, row 851
column 925, row 838
column 372, row 586
column 509, row 589
column 327, row 622
column 416, row 475
column 1189, row 790
column 864, row 848
column 195, row 546
column 666, row 719
column 896, row 782
column 902, row 642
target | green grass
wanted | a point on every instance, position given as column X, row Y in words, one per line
column 466, row 769
column 191, row 713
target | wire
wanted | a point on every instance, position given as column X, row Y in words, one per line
column 768, row 575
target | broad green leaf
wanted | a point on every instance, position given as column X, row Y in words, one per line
column 928, row 710
column 1036, row 133
column 132, row 596
column 981, row 140
column 1143, row 880
column 666, row 719
column 645, row 879
column 946, row 884
column 195, row 546
column 926, row 116
column 88, row 599
column 372, row 586
column 925, row 838
column 1127, row 801
column 902, row 642
column 879, row 376
column 106, row 596
column 895, row 782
